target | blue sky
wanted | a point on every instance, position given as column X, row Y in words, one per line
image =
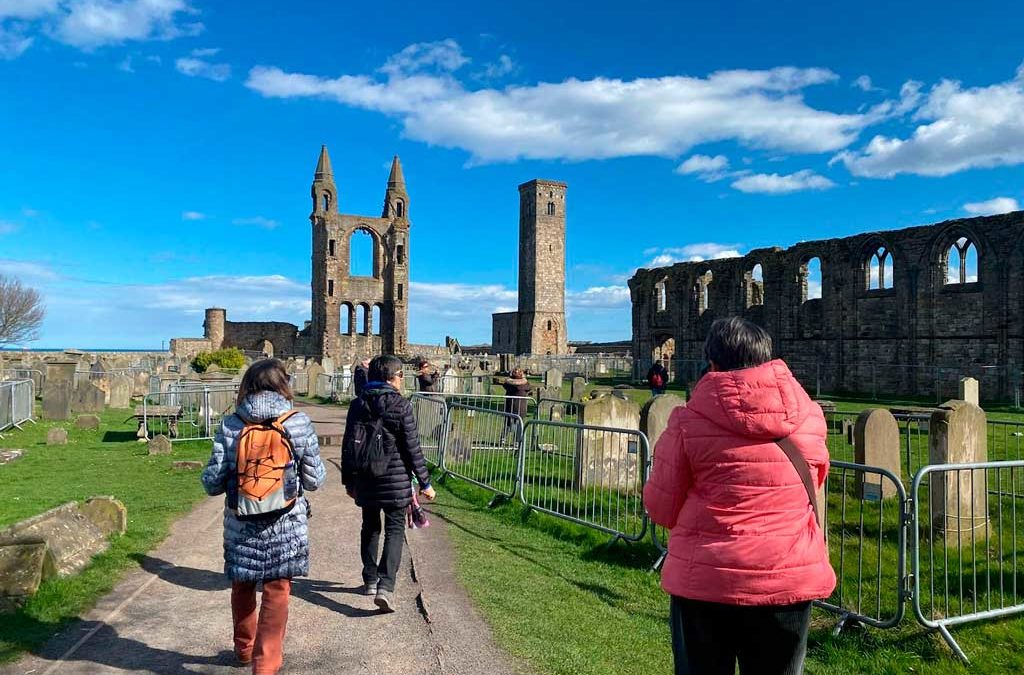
column 156, row 155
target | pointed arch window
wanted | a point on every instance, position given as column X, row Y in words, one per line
column 962, row 262
column 551, row 208
column 755, row 286
column 811, row 281
column 660, row 296
column 702, row 292
column 400, row 208
column 325, row 201
column 880, row 269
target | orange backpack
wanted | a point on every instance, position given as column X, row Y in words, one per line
column 265, row 465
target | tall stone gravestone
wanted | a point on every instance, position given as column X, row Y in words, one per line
column 655, row 414
column 553, row 379
column 121, row 391
column 579, row 386
column 969, row 391
column 957, row 434
column 607, row 459
column 88, row 398
column 327, row 363
column 313, row 373
column 480, row 381
column 876, row 442
column 59, row 389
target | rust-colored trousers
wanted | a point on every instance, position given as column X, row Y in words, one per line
column 260, row 638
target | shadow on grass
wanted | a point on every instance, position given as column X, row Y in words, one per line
column 119, row 436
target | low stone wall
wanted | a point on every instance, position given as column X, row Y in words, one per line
column 59, row 542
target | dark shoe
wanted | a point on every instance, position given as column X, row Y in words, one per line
column 370, row 589
column 384, row 601
column 243, row 659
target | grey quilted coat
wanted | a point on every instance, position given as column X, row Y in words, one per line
column 278, row 547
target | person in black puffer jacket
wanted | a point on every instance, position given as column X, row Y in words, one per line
column 390, row 493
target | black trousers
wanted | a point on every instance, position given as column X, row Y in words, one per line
column 708, row 638
column 382, row 570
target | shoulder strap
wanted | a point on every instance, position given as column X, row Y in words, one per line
column 796, row 458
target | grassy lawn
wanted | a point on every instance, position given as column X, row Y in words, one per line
column 557, row 597
column 108, row 461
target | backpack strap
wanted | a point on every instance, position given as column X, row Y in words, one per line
column 278, row 424
column 796, row 458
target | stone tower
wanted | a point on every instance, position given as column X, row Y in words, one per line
column 359, row 315
column 541, row 317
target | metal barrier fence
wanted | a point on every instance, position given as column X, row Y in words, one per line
column 431, row 413
column 186, row 413
column 593, row 476
column 483, row 447
column 587, row 365
column 967, row 544
column 559, row 410
column 17, row 398
column 37, row 376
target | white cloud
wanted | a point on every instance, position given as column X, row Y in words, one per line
column 977, row 127
column 27, row 9
column 777, row 184
column 597, row 297
column 992, row 207
column 498, row 69
column 257, row 221
column 193, row 215
column 708, row 169
column 863, row 83
column 692, row 253
column 196, row 66
column 13, row 43
column 88, row 24
column 28, row 271
column 581, row 119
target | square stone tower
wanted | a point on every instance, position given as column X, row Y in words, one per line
column 541, row 318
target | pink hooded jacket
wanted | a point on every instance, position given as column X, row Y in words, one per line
column 743, row 530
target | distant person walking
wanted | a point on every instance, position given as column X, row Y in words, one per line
column 517, row 391
column 657, row 378
column 380, row 454
column 264, row 456
column 427, row 376
column 735, row 479
column 360, row 376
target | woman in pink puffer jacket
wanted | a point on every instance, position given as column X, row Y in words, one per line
column 746, row 554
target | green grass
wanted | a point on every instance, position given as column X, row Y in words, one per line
column 559, row 598
column 105, row 462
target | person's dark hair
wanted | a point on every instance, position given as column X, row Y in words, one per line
column 383, row 368
column 736, row 343
column 265, row 375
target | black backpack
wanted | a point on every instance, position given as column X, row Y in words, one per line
column 364, row 445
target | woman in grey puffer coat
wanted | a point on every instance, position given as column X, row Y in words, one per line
column 273, row 549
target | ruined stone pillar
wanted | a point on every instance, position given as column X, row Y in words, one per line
column 957, row 435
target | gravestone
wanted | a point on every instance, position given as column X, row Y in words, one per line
column 579, row 386
column 187, row 465
column 71, row 538
column 969, row 390
column 553, row 379
column 140, row 383
column 87, row 422
column 121, row 391
column 480, row 381
column 160, row 445
column 327, row 363
column 655, row 414
column 57, row 436
column 548, row 407
column 876, row 442
column 8, row 456
column 609, row 459
column 88, row 398
column 313, row 373
column 450, row 381
column 957, row 434
column 58, row 390
column 21, row 572
column 106, row 513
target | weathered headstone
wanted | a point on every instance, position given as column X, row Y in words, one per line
column 187, row 465
column 553, row 378
column 655, row 414
column 72, row 539
column 327, row 363
column 121, row 392
column 21, row 571
column 87, row 422
column 480, row 381
column 140, row 383
column 57, row 436
column 58, row 390
column 876, row 442
column 160, row 445
column 106, row 513
column 969, row 390
column 957, row 434
column 8, row 456
column 579, row 387
column 610, row 459
column 88, row 398
column 313, row 373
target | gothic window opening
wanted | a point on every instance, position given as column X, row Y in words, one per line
column 880, row 270
column 962, row 262
column 361, row 320
column 347, row 319
column 332, row 248
column 660, row 296
column 549, row 325
column 326, row 201
column 400, row 208
column 376, row 320
column 702, row 291
column 551, row 208
column 361, row 254
column 400, row 254
column 810, row 280
column 330, row 288
column 755, row 286
column 400, row 292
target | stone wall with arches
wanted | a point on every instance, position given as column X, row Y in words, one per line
column 949, row 294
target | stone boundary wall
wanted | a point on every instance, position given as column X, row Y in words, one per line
column 920, row 321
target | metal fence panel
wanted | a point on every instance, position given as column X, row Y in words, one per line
column 866, row 527
column 483, row 447
column 431, row 415
column 186, row 413
column 559, row 410
column 589, row 475
column 17, row 398
column 967, row 544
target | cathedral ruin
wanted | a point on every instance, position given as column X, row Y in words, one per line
column 351, row 315
column 889, row 311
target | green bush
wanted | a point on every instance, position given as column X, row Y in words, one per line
column 231, row 358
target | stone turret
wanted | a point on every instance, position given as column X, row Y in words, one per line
column 213, row 327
